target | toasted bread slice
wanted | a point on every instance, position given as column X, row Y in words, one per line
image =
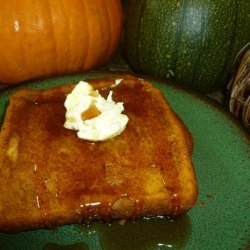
column 49, row 177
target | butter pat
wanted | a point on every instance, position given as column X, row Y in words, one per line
column 94, row 117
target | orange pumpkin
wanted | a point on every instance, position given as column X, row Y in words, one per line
column 44, row 38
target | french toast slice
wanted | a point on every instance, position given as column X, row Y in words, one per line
column 49, row 177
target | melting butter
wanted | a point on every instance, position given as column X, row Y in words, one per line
column 94, row 117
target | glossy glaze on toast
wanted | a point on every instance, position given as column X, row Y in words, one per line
column 49, row 177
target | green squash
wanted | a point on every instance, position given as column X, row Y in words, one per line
column 192, row 42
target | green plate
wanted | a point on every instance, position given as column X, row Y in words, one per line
column 221, row 218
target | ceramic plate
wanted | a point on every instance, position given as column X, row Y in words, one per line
column 221, row 217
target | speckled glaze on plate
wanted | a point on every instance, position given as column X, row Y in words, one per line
column 221, row 217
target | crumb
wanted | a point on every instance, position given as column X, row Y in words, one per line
column 122, row 222
column 210, row 197
column 201, row 203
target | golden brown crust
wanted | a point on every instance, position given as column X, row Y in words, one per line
column 51, row 178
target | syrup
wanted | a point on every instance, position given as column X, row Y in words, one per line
column 147, row 233
column 81, row 167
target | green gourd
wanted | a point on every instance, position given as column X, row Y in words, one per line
column 192, row 42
